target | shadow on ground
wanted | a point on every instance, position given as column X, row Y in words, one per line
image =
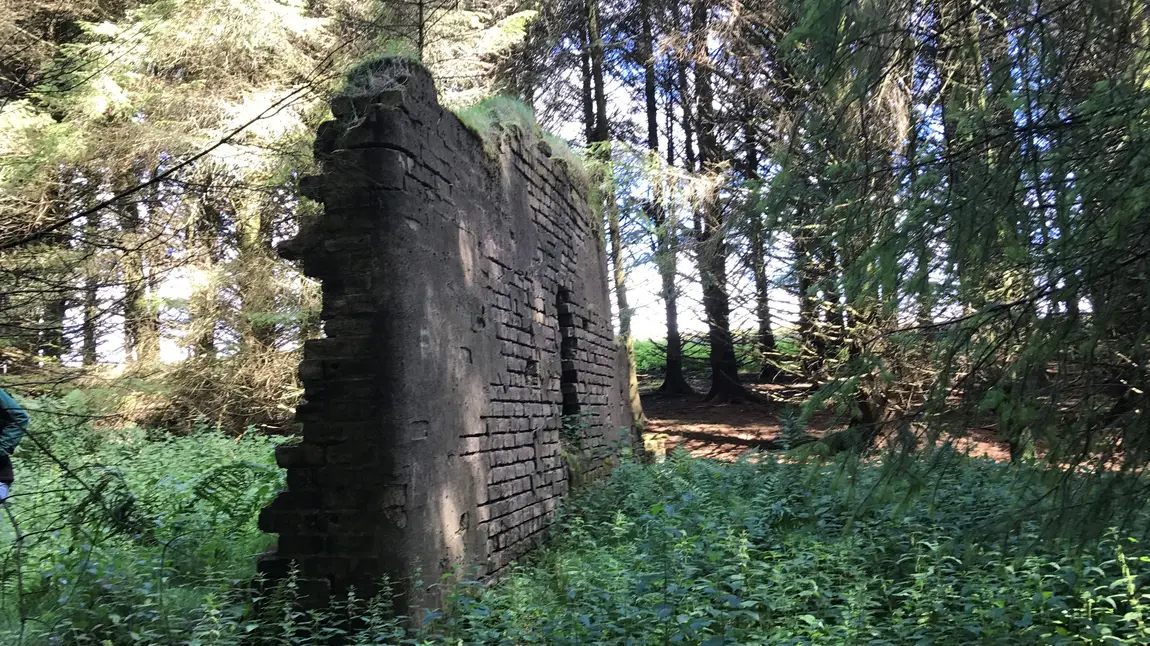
column 727, row 431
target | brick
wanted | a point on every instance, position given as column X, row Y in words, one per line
column 425, row 238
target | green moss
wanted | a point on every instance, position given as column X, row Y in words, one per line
column 365, row 79
column 561, row 150
column 492, row 117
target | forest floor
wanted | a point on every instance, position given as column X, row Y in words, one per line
column 725, row 431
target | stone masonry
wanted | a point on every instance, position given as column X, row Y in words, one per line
column 466, row 317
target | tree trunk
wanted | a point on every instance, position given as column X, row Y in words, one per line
column 712, row 252
column 624, row 312
column 920, row 283
column 257, row 291
column 662, row 215
column 834, row 328
column 203, row 308
column 674, row 383
column 647, row 53
column 89, row 325
column 768, row 369
column 602, row 137
column 141, row 329
column 602, row 131
column 587, row 96
column 685, row 103
column 809, row 340
column 52, row 342
column 716, row 303
column 768, row 350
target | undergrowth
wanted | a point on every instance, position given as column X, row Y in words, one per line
column 121, row 535
column 152, row 540
column 698, row 552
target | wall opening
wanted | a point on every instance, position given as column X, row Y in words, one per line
column 568, row 347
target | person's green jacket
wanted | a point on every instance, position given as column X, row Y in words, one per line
column 13, row 423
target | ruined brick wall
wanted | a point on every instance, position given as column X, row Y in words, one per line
column 466, row 313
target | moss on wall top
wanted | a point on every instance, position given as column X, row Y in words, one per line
column 492, row 117
column 378, row 73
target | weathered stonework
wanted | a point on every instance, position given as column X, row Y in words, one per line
column 465, row 311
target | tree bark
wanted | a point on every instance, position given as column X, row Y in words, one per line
column 768, row 349
column 257, row 291
column 768, row 370
column 684, row 92
column 663, row 216
column 647, row 53
column 920, row 283
column 712, row 252
column 602, row 138
column 809, row 340
column 90, row 321
column 602, row 132
column 834, row 327
column 52, row 340
column 88, row 328
column 203, row 307
column 141, row 327
column 587, row 95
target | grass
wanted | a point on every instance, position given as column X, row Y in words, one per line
column 688, row 551
column 651, row 355
column 490, row 117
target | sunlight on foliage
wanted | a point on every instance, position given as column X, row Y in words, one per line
column 688, row 551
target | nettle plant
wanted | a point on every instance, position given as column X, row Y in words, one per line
column 574, row 427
